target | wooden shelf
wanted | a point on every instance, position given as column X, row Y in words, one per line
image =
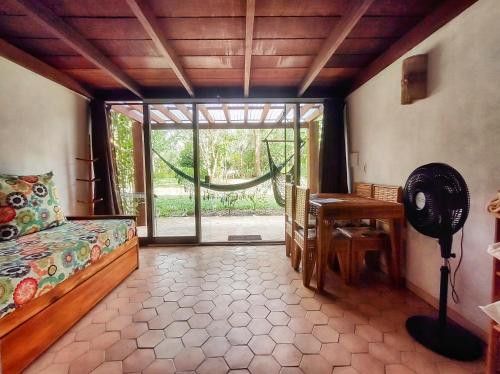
column 90, row 181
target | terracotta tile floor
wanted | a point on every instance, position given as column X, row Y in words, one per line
column 243, row 310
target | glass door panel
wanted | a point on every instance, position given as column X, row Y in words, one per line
column 127, row 144
column 173, row 172
column 243, row 166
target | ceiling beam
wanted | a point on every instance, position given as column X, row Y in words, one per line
column 304, row 108
column 50, row 21
column 206, row 113
column 184, row 110
column 249, row 18
column 226, row 113
column 264, row 113
column 444, row 13
column 224, row 126
column 167, row 113
column 37, row 66
column 125, row 110
column 357, row 8
column 152, row 114
column 147, row 18
column 316, row 114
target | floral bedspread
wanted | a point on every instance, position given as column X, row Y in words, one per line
column 33, row 264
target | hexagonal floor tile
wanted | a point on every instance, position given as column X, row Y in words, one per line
column 241, row 309
column 120, row 350
column 176, row 329
column 216, row 346
column 195, row 338
column 278, row 318
column 238, row 357
column 307, row 343
column 282, row 334
column 261, row 345
column 287, row 355
column 138, row 360
column 213, row 365
column 315, row 364
column 325, row 334
column 239, row 319
column 239, row 335
column 259, row 326
column 264, row 365
column 150, row 339
column 188, row 359
column 218, row 328
column 199, row 321
column 336, row 354
column 168, row 348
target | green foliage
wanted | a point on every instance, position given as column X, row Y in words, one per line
column 122, row 142
column 225, row 155
column 182, row 206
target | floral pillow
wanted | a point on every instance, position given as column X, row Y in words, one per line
column 28, row 204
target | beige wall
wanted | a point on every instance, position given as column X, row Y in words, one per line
column 459, row 124
column 43, row 127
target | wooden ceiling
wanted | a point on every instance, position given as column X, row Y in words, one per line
column 245, row 44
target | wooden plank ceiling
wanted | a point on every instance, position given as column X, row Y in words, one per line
column 202, row 43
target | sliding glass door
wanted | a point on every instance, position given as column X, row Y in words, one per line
column 173, row 174
column 215, row 172
column 243, row 167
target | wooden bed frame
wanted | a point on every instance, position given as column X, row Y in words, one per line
column 28, row 332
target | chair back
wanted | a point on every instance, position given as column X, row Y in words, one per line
column 391, row 194
column 363, row 189
column 302, row 206
column 289, row 201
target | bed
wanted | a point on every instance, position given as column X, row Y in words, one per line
column 52, row 278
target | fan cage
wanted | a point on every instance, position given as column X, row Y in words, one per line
column 447, row 200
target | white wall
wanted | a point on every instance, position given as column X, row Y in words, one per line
column 43, row 127
column 459, row 124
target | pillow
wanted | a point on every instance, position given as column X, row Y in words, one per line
column 28, row 204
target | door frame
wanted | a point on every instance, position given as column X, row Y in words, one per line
column 150, row 203
column 152, row 238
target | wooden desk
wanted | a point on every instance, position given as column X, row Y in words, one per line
column 355, row 207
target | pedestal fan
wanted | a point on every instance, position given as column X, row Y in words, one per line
column 436, row 202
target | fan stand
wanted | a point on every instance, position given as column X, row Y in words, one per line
column 438, row 334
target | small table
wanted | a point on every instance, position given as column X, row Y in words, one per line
column 330, row 207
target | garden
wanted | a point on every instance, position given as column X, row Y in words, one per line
column 228, row 158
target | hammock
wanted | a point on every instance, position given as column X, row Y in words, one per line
column 271, row 174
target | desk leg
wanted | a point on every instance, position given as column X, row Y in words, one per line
column 396, row 236
column 324, row 237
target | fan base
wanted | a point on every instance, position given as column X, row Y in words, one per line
column 449, row 340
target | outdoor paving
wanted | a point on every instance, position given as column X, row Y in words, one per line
column 242, row 309
column 217, row 228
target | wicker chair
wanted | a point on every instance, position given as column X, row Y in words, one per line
column 289, row 216
column 370, row 239
column 304, row 239
column 363, row 189
column 340, row 245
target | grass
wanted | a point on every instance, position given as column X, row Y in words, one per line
column 182, row 206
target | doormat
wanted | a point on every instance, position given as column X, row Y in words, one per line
column 243, row 238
